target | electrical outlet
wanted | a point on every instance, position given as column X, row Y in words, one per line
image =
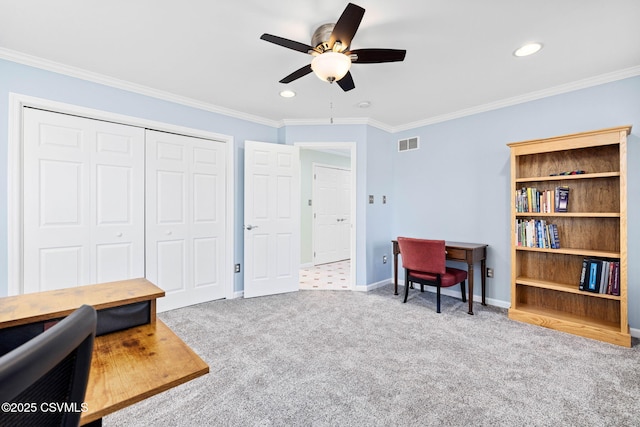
column 237, row 268
column 384, row 259
column 489, row 272
column 370, row 198
column 384, row 200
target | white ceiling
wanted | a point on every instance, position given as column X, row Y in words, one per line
column 459, row 52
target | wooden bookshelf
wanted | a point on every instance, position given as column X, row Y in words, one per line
column 545, row 282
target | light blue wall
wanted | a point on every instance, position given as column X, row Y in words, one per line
column 35, row 82
column 381, row 147
column 456, row 186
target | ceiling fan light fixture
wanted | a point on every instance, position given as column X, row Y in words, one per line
column 331, row 66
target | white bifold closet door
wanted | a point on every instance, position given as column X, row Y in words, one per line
column 185, row 220
column 104, row 202
column 83, row 201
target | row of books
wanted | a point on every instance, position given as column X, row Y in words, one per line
column 600, row 276
column 530, row 199
column 536, row 233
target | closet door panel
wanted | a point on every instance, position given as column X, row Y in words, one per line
column 186, row 180
column 83, row 201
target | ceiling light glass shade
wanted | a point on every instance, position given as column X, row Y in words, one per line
column 331, row 66
column 528, row 49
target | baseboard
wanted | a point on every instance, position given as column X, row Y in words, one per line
column 372, row 286
column 456, row 294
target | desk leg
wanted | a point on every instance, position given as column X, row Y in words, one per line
column 483, row 266
column 470, row 277
column 395, row 273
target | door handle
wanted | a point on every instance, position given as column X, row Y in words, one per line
column 250, row 227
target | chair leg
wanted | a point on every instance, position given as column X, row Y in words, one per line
column 438, row 299
column 407, row 282
column 464, row 292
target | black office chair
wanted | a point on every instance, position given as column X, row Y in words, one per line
column 52, row 368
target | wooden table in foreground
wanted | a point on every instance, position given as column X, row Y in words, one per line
column 456, row 251
column 127, row 366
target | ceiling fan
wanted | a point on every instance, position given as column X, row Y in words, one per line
column 330, row 45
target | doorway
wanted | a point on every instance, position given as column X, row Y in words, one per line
column 317, row 273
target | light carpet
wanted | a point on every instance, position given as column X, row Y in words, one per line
column 335, row 358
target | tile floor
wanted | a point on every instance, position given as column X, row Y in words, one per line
column 332, row 276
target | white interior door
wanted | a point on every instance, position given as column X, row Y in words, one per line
column 83, row 201
column 271, row 219
column 331, row 214
column 185, row 218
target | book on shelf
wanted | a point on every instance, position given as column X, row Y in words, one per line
column 530, row 199
column 537, row 233
column 562, row 198
column 600, row 276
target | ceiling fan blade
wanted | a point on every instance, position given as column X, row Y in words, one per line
column 346, row 83
column 297, row 74
column 375, row 56
column 346, row 26
column 290, row 44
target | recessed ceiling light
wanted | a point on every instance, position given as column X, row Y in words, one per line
column 287, row 93
column 364, row 104
column 528, row 49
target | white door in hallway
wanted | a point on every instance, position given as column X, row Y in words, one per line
column 83, row 201
column 271, row 219
column 331, row 214
column 185, row 218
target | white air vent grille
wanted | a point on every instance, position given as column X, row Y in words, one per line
column 408, row 144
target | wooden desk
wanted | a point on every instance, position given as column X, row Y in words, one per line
column 127, row 366
column 132, row 365
column 456, row 251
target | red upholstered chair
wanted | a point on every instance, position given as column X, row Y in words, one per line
column 424, row 262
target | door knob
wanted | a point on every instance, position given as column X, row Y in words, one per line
column 119, row 234
column 250, row 227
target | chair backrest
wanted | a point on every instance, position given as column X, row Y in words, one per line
column 423, row 254
column 49, row 373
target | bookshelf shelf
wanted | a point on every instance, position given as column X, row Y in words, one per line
column 569, row 214
column 568, row 177
column 561, row 287
column 571, row 251
column 545, row 282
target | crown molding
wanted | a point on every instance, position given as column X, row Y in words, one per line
column 45, row 64
column 79, row 73
column 337, row 121
column 532, row 96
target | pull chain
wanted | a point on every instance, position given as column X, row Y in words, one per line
column 331, row 112
column 331, row 106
